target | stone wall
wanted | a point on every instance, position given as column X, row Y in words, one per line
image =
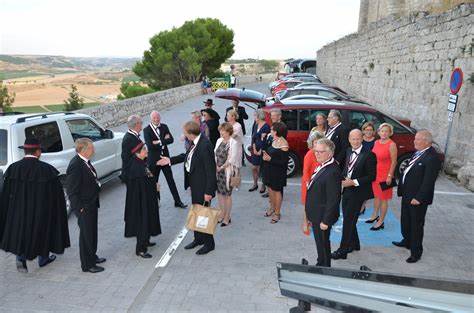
column 116, row 113
column 403, row 67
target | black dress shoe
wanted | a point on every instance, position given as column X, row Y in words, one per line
column 413, row 259
column 94, row 269
column 21, row 266
column 100, row 260
column 50, row 259
column 381, row 226
column 151, row 244
column 339, row 254
column 204, row 250
column 400, row 244
column 144, row 255
column 180, row 205
column 369, row 221
column 192, row 245
column 253, row 188
column 357, row 248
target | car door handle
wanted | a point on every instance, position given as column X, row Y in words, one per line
column 401, row 147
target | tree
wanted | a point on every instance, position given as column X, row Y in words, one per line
column 6, row 98
column 74, row 102
column 269, row 65
column 182, row 55
column 133, row 89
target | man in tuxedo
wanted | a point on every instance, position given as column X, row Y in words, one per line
column 200, row 176
column 323, row 198
column 338, row 134
column 130, row 140
column 83, row 187
column 416, row 187
column 358, row 173
column 157, row 138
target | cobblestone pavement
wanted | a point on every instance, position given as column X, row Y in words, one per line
column 240, row 275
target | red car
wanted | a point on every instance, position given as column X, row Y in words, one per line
column 300, row 117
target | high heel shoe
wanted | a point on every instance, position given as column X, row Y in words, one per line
column 381, row 226
column 369, row 221
column 263, row 189
column 255, row 187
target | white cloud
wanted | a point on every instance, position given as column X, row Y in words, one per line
column 264, row 29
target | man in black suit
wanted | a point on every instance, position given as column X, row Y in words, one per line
column 83, row 187
column 338, row 134
column 323, row 198
column 130, row 140
column 416, row 187
column 157, row 138
column 358, row 173
column 200, row 176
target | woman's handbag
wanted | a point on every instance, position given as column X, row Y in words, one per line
column 203, row 218
column 235, row 179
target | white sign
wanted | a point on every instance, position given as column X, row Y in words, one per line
column 453, row 100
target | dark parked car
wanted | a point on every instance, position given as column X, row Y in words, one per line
column 320, row 90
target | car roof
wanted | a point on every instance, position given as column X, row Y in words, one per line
column 11, row 119
column 311, row 103
column 315, row 87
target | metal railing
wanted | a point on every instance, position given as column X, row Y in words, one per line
column 368, row 291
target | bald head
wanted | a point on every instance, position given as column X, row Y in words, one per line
column 423, row 139
column 355, row 138
column 155, row 117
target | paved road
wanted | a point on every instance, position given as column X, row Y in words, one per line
column 240, row 275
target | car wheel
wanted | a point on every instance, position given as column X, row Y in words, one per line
column 293, row 164
column 402, row 164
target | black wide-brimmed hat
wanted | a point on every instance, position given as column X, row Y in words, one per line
column 31, row 143
column 209, row 102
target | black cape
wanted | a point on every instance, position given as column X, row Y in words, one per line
column 214, row 134
column 142, row 217
column 33, row 216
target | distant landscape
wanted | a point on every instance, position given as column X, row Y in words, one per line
column 42, row 83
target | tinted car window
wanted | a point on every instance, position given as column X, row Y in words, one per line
column 290, row 93
column 328, row 94
column 48, row 136
column 357, row 119
column 3, row 146
column 313, row 115
column 304, row 118
column 290, row 118
column 84, row 129
column 397, row 128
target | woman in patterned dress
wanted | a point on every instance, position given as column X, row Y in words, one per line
column 227, row 162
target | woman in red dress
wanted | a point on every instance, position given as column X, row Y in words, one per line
column 386, row 152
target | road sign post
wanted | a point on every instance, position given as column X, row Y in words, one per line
column 455, row 85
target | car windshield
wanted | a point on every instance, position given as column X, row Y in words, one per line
column 3, row 147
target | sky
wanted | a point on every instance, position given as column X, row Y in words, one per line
column 104, row 28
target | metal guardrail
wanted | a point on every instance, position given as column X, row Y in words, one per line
column 367, row 291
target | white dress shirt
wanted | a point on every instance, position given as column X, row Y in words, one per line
column 352, row 161
column 187, row 165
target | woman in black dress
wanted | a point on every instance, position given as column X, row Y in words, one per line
column 260, row 130
column 213, row 125
column 275, row 159
column 142, row 218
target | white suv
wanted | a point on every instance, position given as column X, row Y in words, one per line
column 56, row 133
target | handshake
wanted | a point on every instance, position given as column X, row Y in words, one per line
column 163, row 161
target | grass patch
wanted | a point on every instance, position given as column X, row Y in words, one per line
column 60, row 107
column 52, row 107
column 29, row 109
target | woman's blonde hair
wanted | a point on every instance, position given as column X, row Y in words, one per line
column 227, row 127
column 389, row 126
column 234, row 114
column 314, row 135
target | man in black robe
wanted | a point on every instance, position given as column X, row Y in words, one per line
column 33, row 217
column 130, row 140
column 142, row 218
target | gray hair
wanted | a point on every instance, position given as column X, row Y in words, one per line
column 336, row 113
column 276, row 110
column 314, row 135
column 328, row 143
column 82, row 144
column 196, row 114
column 133, row 121
column 426, row 135
column 260, row 114
column 153, row 113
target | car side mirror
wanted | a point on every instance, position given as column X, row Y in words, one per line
column 108, row 134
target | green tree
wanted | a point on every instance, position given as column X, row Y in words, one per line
column 183, row 54
column 133, row 89
column 74, row 102
column 6, row 98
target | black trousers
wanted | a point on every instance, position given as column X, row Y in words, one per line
column 142, row 243
column 169, row 179
column 323, row 245
column 204, row 239
column 412, row 225
column 87, row 221
column 350, row 211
